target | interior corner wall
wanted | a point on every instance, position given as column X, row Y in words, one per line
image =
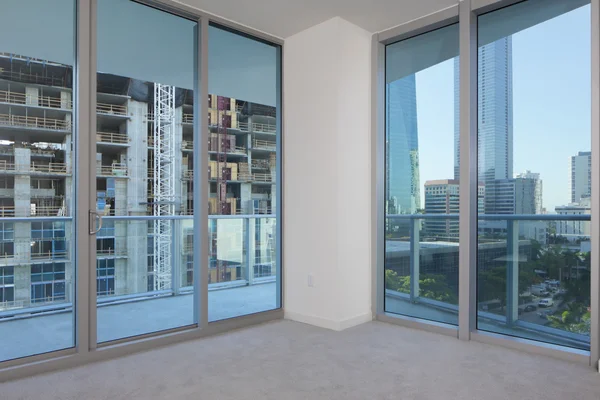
column 327, row 175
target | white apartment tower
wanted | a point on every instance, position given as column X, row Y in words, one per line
column 581, row 176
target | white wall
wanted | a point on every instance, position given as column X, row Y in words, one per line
column 327, row 174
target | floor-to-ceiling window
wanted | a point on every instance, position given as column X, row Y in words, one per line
column 37, row 264
column 534, row 161
column 144, row 153
column 422, row 176
column 244, row 139
column 525, row 233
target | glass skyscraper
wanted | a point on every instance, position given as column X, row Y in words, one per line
column 494, row 121
column 402, row 147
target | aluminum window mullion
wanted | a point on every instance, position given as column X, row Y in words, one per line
column 467, row 315
column 200, row 182
column 595, row 189
column 85, row 293
column 278, row 180
column 378, row 175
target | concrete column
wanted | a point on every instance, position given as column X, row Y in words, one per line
column 121, row 198
column 131, row 275
column 98, row 162
column 273, row 196
column 32, row 96
column 130, row 199
column 22, row 238
column 246, row 198
column 512, row 272
column 22, row 282
column 121, row 273
column 22, row 182
column 66, row 100
column 137, row 158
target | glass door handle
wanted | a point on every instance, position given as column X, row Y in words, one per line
column 93, row 216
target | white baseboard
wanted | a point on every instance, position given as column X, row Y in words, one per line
column 354, row 321
column 328, row 323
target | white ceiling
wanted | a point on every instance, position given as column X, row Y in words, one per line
column 284, row 18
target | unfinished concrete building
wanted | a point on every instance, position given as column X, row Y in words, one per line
column 36, row 178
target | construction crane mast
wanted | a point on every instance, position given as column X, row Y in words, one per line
column 164, row 183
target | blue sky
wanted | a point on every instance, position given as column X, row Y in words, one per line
column 551, row 105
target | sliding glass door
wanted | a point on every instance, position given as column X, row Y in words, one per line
column 422, row 183
column 112, row 148
column 534, row 239
column 244, row 157
column 144, row 151
column 37, row 193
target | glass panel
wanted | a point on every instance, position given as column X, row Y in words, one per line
column 242, row 119
column 422, row 178
column 144, row 144
column 534, row 163
column 36, row 145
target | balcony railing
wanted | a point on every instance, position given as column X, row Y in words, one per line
column 241, row 266
column 7, row 211
column 262, row 177
column 520, row 262
column 264, row 145
column 188, row 118
column 266, row 128
column 112, row 137
column 115, row 169
column 112, row 109
column 257, row 127
column 6, row 166
column 47, row 211
column 41, row 101
column 49, row 255
column 51, row 168
column 35, row 122
column 111, row 252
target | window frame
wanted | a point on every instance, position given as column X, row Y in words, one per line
column 466, row 14
column 86, row 348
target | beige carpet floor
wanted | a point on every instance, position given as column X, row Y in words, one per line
column 286, row 360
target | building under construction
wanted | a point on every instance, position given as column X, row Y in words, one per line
column 144, row 160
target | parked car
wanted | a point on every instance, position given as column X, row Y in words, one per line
column 546, row 303
column 530, row 307
column 544, row 314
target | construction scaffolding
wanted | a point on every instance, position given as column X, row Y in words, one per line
column 164, row 183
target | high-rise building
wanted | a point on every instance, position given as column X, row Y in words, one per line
column 494, row 122
column 521, row 195
column 581, row 176
column 402, row 147
column 528, row 193
column 442, row 197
